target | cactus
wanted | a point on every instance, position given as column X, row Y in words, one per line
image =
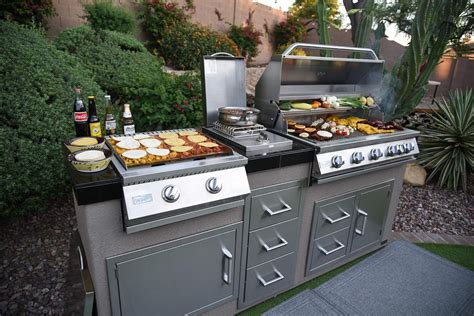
column 323, row 26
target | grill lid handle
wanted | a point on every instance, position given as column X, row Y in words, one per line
column 222, row 54
column 329, row 47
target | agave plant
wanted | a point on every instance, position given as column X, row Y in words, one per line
column 447, row 148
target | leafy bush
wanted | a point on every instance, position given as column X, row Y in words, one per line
column 125, row 69
column 448, row 146
column 247, row 39
column 180, row 42
column 30, row 12
column 103, row 15
column 36, row 98
column 288, row 32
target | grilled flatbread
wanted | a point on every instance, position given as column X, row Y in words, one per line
column 168, row 135
column 197, row 138
column 129, row 144
column 150, row 142
column 85, row 141
column 141, row 136
column 134, row 154
column 208, row 144
column 90, row 155
column 181, row 149
column 158, row 151
column 188, row 133
column 174, row 141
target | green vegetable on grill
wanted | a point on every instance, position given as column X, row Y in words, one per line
column 285, row 105
column 353, row 102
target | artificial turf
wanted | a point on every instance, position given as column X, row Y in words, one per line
column 462, row 255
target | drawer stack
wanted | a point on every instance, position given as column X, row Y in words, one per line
column 272, row 242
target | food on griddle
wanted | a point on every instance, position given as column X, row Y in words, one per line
column 175, row 141
column 85, row 141
column 121, row 138
column 197, row 138
column 150, row 142
column 370, row 130
column 381, row 125
column 316, row 104
column 128, row 144
column 299, row 127
column 181, row 149
column 134, row 154
column 322, row 135
column 188, row 133
column 363, row 100
column 353, row 102
column 291, row 123
column 90, row 155
column 370, row 101
column 168, row 135
column 291, row 131
column 326, row 104
column 208, row 144
column 304, row 135
column 309, row 130
column 301, row 106
column 141, row 136
column 158, row 151
column 286, row 105
column 318, row 122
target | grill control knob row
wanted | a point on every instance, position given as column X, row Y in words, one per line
column 213, row 185
column 400, row 149
column 170, row 193
column 409, row 147
column 375, row 154
column 391, row 151
column 337, row 161
column 357, row 157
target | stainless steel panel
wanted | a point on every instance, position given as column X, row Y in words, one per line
column 370, row 213
column 274, row 207
column 328, row 249
column 269, row 278
column 333, row 215
column 179, row 277
column 272, row 242
column 223, row 82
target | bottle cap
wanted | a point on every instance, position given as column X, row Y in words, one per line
column 91, row 97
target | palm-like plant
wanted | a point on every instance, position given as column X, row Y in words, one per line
column 448, row 147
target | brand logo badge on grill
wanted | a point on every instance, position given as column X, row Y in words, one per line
column 142, row 199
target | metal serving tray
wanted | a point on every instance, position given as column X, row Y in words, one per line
column 226, row 150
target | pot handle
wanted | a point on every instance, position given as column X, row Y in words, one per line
column 222, row 54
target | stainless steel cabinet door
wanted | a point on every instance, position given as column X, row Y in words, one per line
column 371, row 209
column 179, row 277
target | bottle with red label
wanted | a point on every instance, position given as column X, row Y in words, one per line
column 80, row 115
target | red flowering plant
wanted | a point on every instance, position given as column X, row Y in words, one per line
column 31, row 12
column 247, row 37
column 288, row 32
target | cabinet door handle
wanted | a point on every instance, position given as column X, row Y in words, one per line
column 81, row 258
column 281, row 243
column 343, row 217
column 328, row 252
column 364, row 223
column 267, row 283
column 227, row 274
column 283, row 210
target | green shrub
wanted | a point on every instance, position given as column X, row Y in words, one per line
column 180, row 42
column 36, row 98
column 288, row 32
column 125, row 69
column 103, row 15
column 30, row 12
column 447, row 148
column 247, row 39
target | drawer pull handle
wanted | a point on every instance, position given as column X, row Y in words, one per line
column 267, row 283
column 283, row 210
column 364, row 223
column 343, row 217
column 227, row 275
column 327, row 253
column 281, row 243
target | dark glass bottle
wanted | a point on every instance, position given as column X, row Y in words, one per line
column 94, row 122
column 110, row 123
column 80, row 115
column 128, row 124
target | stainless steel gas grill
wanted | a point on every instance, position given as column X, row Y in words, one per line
column 155, row 195
column 302, row 78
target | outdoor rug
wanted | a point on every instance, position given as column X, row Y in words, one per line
column 401, row 279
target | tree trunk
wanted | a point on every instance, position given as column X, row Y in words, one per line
column 355, row 18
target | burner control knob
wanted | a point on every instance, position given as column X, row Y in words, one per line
column 170, row 193
column 400, row 149
column 409, row 147
column 391, row 151
column 213, row 185
column 337, row 161
column 375, row 154
column 357, row 157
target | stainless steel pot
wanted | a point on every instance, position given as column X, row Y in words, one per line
column 237, row 116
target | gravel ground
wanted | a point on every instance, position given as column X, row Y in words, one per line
column 39, row 269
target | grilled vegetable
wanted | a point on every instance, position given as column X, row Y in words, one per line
column 316, row 104
column 353, row 102
column 285, row 105
column 370, row 101
column 301, row 106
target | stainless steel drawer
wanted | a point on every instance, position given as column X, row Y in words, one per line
column 272, row 242
column 333, row 216
column 274, row 207
column 269, row 278
column 329, row 248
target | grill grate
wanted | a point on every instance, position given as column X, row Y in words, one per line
column 239, row 131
